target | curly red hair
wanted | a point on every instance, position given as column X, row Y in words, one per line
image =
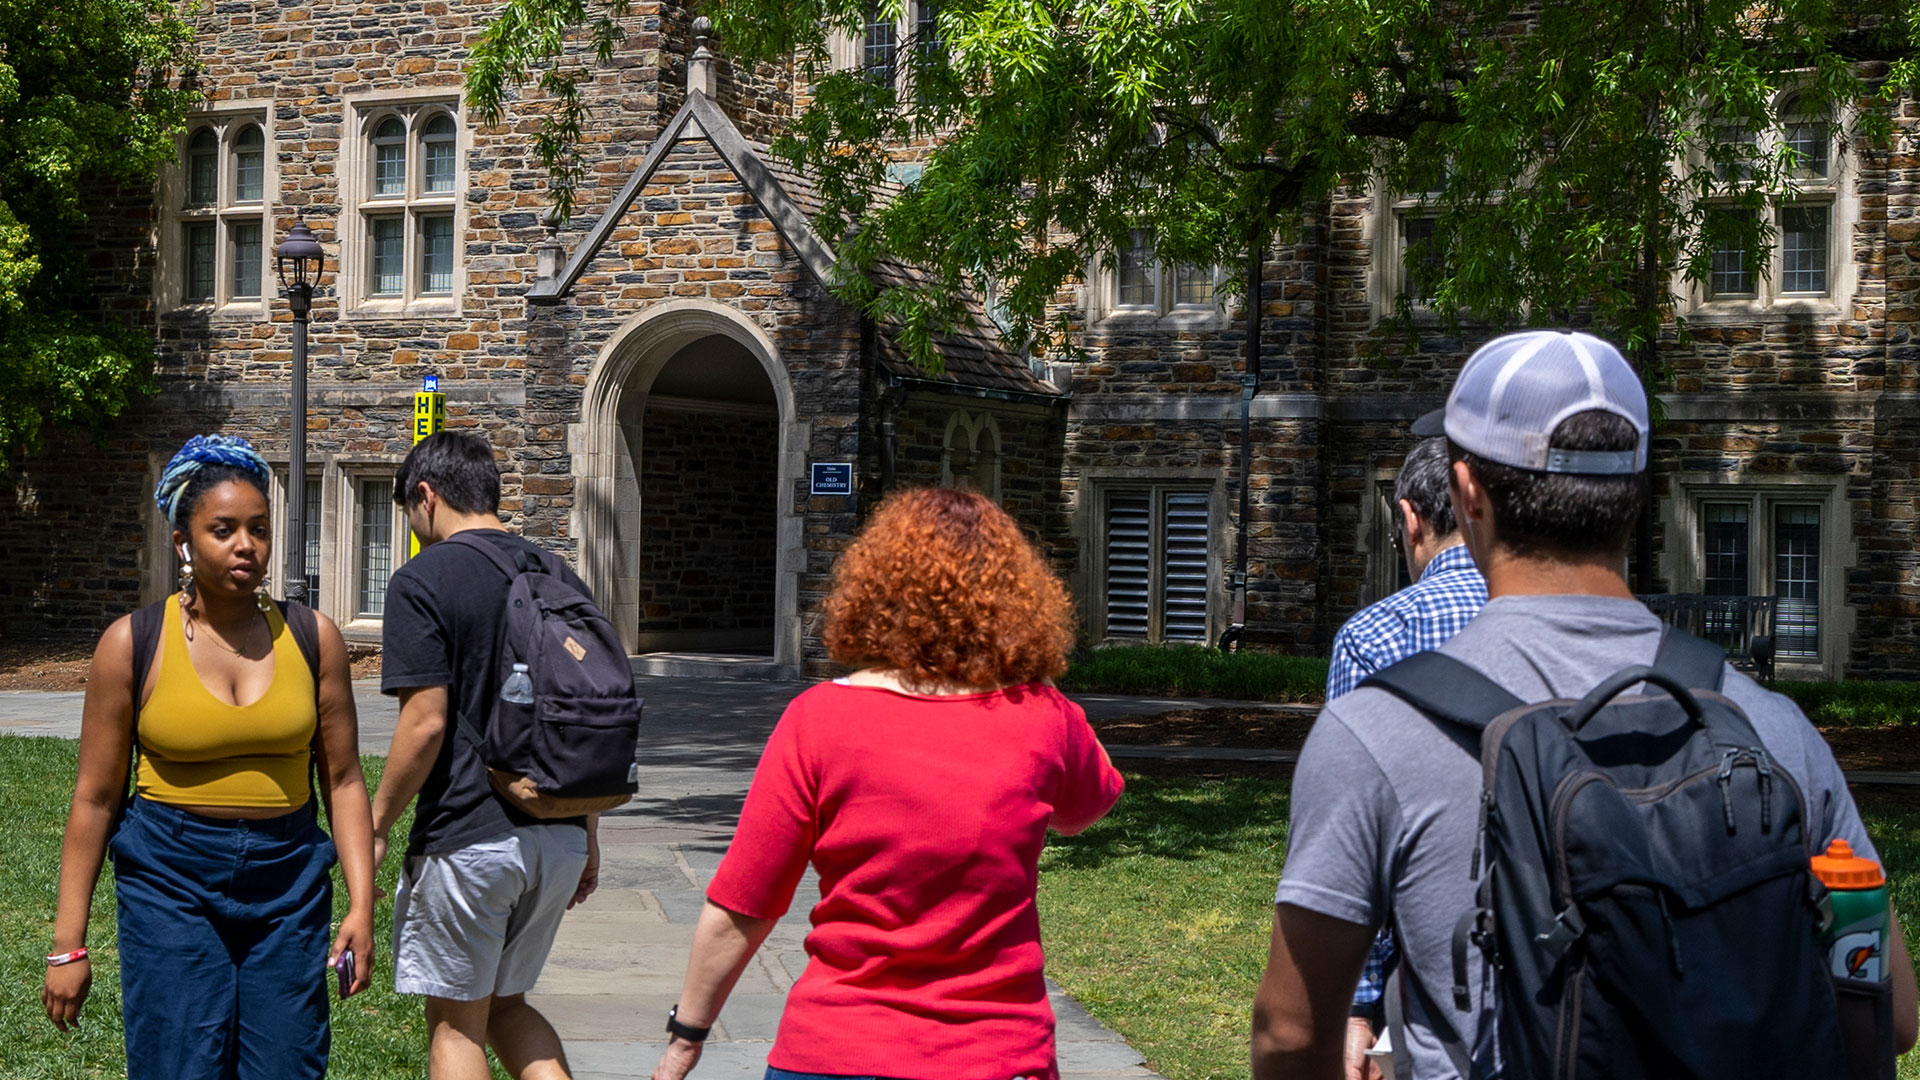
column 942, row 587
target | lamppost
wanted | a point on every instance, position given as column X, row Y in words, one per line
column 299, row 261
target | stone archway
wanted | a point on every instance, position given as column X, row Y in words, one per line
column 607, row 515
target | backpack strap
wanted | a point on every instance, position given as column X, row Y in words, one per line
column 1401, row 981
column 513, row 569
column 523, row 562
column 306, row 634
column 146, row 623
column 1446, row 688
column 1694, row 663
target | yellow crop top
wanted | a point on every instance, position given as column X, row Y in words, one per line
column 196, row 750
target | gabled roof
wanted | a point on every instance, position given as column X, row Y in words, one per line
column 976, row 356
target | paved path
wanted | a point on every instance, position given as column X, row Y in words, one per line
column 618, row 960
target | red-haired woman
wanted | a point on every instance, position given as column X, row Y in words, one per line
column 921, row 788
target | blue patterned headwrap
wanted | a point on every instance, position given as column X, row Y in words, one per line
column 200, row 452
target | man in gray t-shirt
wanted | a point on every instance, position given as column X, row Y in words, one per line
column 1548, row 436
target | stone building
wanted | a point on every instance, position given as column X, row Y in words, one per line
column 661, row 376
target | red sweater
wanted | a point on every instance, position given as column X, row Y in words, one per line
column 924, row 817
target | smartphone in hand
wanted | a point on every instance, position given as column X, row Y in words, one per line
column 343, row 970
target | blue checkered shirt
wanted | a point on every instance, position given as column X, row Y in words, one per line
column 1417, row 619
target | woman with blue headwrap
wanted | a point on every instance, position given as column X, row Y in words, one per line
column 224, row 700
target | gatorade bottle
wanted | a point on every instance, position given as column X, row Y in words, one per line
column 1857, row 957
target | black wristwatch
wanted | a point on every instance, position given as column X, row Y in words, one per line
column 680, row 1030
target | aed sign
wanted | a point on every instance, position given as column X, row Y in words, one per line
column 429, row 416
column 833, row 478
column 429, row 413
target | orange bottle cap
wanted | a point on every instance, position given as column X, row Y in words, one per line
column 1840, row 868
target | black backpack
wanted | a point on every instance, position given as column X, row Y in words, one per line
column 1645, row 903
column 572, row 751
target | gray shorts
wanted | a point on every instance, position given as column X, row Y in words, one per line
column 480, row 920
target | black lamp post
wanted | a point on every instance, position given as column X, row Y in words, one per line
column 299, row 260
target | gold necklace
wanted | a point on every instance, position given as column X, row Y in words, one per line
column 187, row 607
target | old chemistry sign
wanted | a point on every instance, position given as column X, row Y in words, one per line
column 832, row 478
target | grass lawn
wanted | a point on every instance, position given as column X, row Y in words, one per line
column 1157, row 918
column 375, row 1034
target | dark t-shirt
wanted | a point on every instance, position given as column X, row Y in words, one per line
column 442, row 627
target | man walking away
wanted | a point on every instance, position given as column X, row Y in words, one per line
column 1548, row 436
column 484, row 885
column 1447, row 593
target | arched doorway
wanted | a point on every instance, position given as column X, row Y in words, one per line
column 685, row 462
column 703, row 440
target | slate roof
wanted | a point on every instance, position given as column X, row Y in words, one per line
column 977, row 357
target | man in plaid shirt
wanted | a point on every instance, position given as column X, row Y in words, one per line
column 1447, row 593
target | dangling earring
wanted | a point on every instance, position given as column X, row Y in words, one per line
column 186, row 592
column 262, row 598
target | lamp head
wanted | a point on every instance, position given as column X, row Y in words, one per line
column 299, row 259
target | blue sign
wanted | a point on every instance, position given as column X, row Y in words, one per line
column 833, row 478
column 432, row 384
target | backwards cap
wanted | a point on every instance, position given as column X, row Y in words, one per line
column 1516, row 390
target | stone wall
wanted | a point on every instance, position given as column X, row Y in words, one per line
column 708, row 549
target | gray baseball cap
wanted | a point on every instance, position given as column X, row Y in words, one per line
column 1515, row 390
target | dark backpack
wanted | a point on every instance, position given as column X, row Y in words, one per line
column 1645, row 904
column 571, row 751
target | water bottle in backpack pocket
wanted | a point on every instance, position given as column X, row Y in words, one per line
column 1644, row 905
column 561, row 738
column 1857, row 923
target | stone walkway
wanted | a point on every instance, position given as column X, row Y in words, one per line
column 619, row 958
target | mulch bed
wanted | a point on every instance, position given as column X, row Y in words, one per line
column 44, row 665
column 1893, row 749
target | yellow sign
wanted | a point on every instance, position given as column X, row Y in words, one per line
column 429, row 416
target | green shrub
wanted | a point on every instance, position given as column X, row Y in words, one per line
column 1194, row 671
column 1856, row 702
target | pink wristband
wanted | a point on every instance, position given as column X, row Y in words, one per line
column 62, row 959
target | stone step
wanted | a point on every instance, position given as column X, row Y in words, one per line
column 714, row 666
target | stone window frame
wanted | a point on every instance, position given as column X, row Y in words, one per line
column 1103, row 297
column 361, row 207
column 227, row 120
column 1837, row 192
column 973, row 427
column 1386, row 232
column 1681, row 561
column 1386, row 567
column 339, row 523
column 1096, row 486
column 847, row 52
column 322, row 565
column 353, row 521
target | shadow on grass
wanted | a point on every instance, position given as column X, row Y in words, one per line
column 1182, row 815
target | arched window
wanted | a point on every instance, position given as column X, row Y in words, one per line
column 1809, row 213
column 404, row 247
column 970, row 454
column 203, row 167
column 437, row 155
column 214, row 250
column 249, row 164
column 390, row 157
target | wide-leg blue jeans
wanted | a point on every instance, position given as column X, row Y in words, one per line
column 223, row 944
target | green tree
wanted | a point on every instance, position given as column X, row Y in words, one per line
column 1578, row 156
column 90, row 101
